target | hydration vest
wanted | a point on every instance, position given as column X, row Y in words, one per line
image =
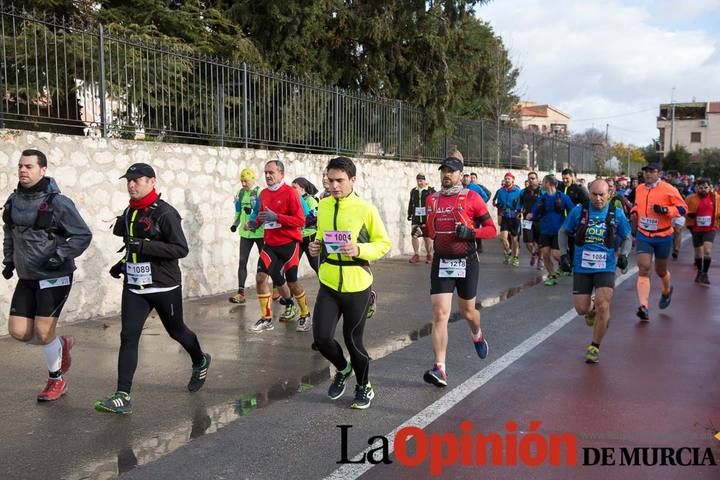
column 610, row 226
column 44, row 218
column 458, row 211
column 557, row 205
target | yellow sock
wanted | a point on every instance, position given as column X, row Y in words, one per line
column 264, row 300
column 302, row 303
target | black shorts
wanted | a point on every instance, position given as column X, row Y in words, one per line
column 30, row 300
column 511, row 225
column 549, row 241
column 280, row 262
column 701, row 237
column 584, row 283
column 532, row 235
column 466, row 287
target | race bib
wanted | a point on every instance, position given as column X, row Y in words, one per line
column 335, row 239
column 679, row 221
column 593, row 260
column 54, row 282
column 139, row 273
column 705, row 221
column 452, row 268
column 648, row 224
column 527, row 224
column 420, row 211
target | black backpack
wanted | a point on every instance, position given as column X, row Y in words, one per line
column 610, row 226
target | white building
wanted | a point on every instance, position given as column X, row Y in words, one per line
column 694, row 125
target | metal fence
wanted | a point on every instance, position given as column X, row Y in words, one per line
column 74, row 79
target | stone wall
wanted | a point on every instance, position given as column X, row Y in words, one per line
column 200, row 182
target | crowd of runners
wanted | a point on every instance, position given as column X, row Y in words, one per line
column 567, row 229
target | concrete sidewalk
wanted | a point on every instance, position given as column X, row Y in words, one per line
column 249, row 371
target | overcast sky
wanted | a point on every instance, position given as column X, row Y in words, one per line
column 612, row 61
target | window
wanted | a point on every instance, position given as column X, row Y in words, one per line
column 695, row 137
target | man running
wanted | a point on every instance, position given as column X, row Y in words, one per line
column 507, row 200
column 578, row 195
column 550, row 212
column 531, row 229
column 596, row 230
column 350, row 234
column 280, row 211
column 154, row 243
column 43, row 235
column 703, row 220
column 656, row 204
column 453, row 214
column 418, row 218
column 244, row 201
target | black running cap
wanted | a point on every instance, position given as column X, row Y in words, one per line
column 652, row 166
column 138, row 170
column 453, row 164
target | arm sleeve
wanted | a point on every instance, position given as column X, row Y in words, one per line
column 296, row 217
column 571, row 221
column 563, row 240
column 74, row 229
column 255, row 210
column 238, row 210
column 379, row 243
column 623, row 226
column 482, row 217
column 173, row 243
column 7, row 244
column 410, row 211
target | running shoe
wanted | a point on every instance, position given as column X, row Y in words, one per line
column 337, row 387
column 563, row 273
column 507, row 259
column 592, row 355
column 372, row 305
column 436, row 376
column 291, row 311
column 55, row 388
column 698, row 276
column 551, row 280
column 515, row 262
column 304, row 324
column 275, row 294
column 533, row 257
column 665, row 299
column 590, row 318
column 118, row 402
column 643, row 314
column 263, row 324
column 363, row 396
column 67, row 343
column 238, row 298
column 705, row 279
column 540, row 263
column 481, row 347
column 415, row 259
column 428, row 258
column 199, row 374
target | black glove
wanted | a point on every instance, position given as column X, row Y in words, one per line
column 409, row 218
column 622, row 262
column 54, row 263
column 310, row 221
column 252, row 225
column 660, row 209
column 134, row 246
column 464, row 232
column 233, row 228
column 117, row 269
column 8, row 271
column 268, row 215
column 565, row 265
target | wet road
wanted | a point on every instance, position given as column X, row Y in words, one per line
column 249, row 372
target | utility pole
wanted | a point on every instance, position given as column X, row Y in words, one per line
column 672, row 119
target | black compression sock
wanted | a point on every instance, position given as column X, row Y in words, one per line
column 706, row 264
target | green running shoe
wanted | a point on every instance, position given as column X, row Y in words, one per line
column 118, row 402
column 515, row 262
column 592, row 355
column 199, row 374
column 337, row 387
column 551, row 280
column 363, row 396
column 290, row 312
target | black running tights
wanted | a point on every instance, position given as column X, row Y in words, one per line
column 329, row 306
column 135, row 310
column 246, row 245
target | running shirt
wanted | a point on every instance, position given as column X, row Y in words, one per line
column 703, row 212
column 508, row 201
column 653, row 224
column 594, row 256
column 284, row 201
column 528, row 198
column 550, row 209
column 244, row 202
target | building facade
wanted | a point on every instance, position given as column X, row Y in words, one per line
column 694, row 125
column 543, row 119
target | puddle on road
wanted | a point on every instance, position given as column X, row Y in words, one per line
column 211, row 419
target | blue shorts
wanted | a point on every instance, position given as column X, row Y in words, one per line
column 658, row 246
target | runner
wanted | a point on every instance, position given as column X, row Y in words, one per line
column 509, row 205
column 703, row 220
column 597, row 228
column 418, row 218
column 244, row 201
column 154, row 243
column 280, row 211
column 578, row 195
column 453, row 214
column 350, row 235
column 656, row 204
column 43, row 235
column 530, row 229
column 307, row 192
column 549, row 211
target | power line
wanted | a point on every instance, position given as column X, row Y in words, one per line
column 614, row 116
